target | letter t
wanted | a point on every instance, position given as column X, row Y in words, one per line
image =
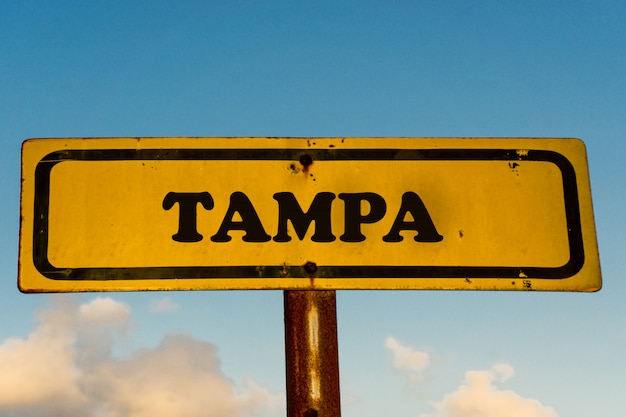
column 187, row 222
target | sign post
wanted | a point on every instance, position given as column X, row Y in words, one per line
column 311, row 354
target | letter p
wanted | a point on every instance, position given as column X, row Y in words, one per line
column 353, row 217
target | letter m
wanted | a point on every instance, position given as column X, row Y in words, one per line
column 290, row 210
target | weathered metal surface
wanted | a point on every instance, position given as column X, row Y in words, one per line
column 312, row 361
column 127, row 214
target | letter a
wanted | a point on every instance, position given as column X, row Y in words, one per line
column 250, row 221
column 422, row 223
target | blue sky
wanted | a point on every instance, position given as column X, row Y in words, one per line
column 367, row 68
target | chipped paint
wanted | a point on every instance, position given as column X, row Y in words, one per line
column 295, row 169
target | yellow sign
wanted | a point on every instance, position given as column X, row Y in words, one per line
column 127, row 214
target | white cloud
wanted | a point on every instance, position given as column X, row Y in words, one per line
column 502, row 372
column 105, row 311
column 42, row 368
column 180, row 377
column 408, row 360
column 163, row 305
column 65, row 368
column 479, row 396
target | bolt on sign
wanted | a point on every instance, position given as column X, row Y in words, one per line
column 123, row 214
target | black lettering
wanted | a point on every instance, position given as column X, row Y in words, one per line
column 187, row 223
column 250, row 222
column 353, row 217
column 319, row 211
column 422, row 223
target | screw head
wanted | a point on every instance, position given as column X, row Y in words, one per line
column 306, row 160
column 310, row 267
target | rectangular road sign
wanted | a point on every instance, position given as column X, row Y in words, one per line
column 124, row 214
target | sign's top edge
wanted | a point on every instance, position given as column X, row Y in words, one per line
column 91, row 138
column 38, row 147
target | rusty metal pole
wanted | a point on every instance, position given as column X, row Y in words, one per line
column 311, row 352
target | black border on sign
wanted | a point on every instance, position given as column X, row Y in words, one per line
column 42, row 196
